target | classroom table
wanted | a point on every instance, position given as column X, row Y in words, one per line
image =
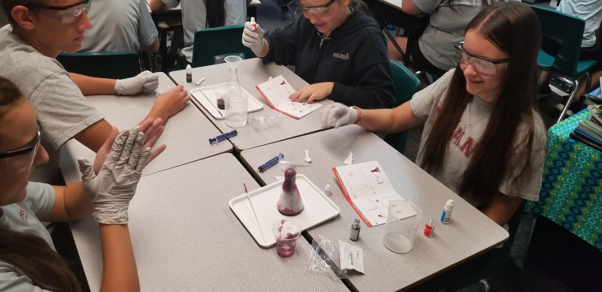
column 469, row 233
column 572, row 183
column 252, row 72
column 186, row 134
column 185, row 237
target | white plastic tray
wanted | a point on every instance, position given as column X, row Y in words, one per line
column 207, row 97
column 317, row 209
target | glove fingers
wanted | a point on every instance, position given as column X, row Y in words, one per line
column 117, row 147
column 142, row 160
column 129, row 144
column 138, row 144
column 86, row 169
column 151, row 85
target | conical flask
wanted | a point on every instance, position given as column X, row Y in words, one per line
column 236, row 101
column 290, row 202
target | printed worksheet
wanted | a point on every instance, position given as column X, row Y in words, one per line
column 276, row 92
column 367, row 189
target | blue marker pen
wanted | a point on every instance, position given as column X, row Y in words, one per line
column 222, row 137
column 270, row 163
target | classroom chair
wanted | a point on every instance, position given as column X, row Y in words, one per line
column 406, row 84
column 114, row 65
column 212, row 45
column 561, row 43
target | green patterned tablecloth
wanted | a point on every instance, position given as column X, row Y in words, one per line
column 571, row 191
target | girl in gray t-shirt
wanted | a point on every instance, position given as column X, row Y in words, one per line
column 483, row 137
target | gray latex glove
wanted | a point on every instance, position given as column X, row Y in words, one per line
column 111, row 191
column 337, row 114
column 252, row 37
column 143, row 81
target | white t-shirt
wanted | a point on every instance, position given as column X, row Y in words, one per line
column 23, row 217
column 194, row 16
column 60, row 106
column 426, row 104
column 588, row 10
column 119, row 26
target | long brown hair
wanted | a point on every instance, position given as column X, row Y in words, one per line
column 29, row 254
column 216, row 13
column 514, row 29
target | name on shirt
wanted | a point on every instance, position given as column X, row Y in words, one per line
column 341, row 56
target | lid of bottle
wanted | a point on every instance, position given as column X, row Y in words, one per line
column 188, row 68
column 449, row 203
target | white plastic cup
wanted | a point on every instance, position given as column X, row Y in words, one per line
column 400, row 231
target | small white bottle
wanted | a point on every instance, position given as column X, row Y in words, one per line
column 188, row 73
column 447, row 211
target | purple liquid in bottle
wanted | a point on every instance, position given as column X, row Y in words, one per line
column 290, row 202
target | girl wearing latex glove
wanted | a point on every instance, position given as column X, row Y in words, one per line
column 143, row 81
column 28, row 261
column 336, row 48
column 482, row 137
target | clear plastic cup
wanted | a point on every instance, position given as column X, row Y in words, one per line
column 286, row 233
column 402, row 223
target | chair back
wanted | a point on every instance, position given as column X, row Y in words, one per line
column 212, row 45
column 561, row 36
column 114, row 65
column 406, row 84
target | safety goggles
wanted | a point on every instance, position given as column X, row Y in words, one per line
column 481, row 65
column 20, row 160
column 317, row 10
column 69, row 13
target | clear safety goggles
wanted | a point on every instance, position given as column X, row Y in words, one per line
column 316, row 10
column 482, row 65
column 69, row 13
column 21, row 159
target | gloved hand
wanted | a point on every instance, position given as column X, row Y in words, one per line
column 337, row 114
column 143, row 81
column 112, row 189
column 252, row 37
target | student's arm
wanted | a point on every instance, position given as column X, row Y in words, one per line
column 390, row 121
column 71, row 203
column 119, row 272
column 92, row 85
column 410, row 8
column 95, row 135
column 502, row 208
column 147, row 33
column 156, row 5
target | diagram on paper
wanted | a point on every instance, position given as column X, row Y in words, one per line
column 375, row 208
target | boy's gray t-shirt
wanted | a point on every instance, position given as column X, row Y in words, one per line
column 194, row 16
column 59, row 105
column 426, row 105
column 119, row 26
column 24, row 217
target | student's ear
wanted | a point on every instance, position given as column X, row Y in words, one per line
column 346, row 2
column 23, row 17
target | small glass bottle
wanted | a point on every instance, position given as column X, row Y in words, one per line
column 355, row 230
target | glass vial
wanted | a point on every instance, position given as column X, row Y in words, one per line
column 355, row 230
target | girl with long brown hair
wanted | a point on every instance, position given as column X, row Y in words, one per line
column 483, row 136
column 28, row 260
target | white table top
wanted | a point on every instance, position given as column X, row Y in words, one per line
column 469, row 232
column 252, row 72
column 186, row 134
column 186, row 238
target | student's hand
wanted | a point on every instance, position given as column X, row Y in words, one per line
column 111, row 191
column 312, row 92
column 143, row 81
column 336, row 115
column 152, row 129
column 252, row 37
column 171, row 102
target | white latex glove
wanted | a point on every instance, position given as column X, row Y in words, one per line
column 337, row 114
column 143, row 81
column 252, row 37
column 111, row 191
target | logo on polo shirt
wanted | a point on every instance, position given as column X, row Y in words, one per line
column 23, row 215
column 341, row 56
